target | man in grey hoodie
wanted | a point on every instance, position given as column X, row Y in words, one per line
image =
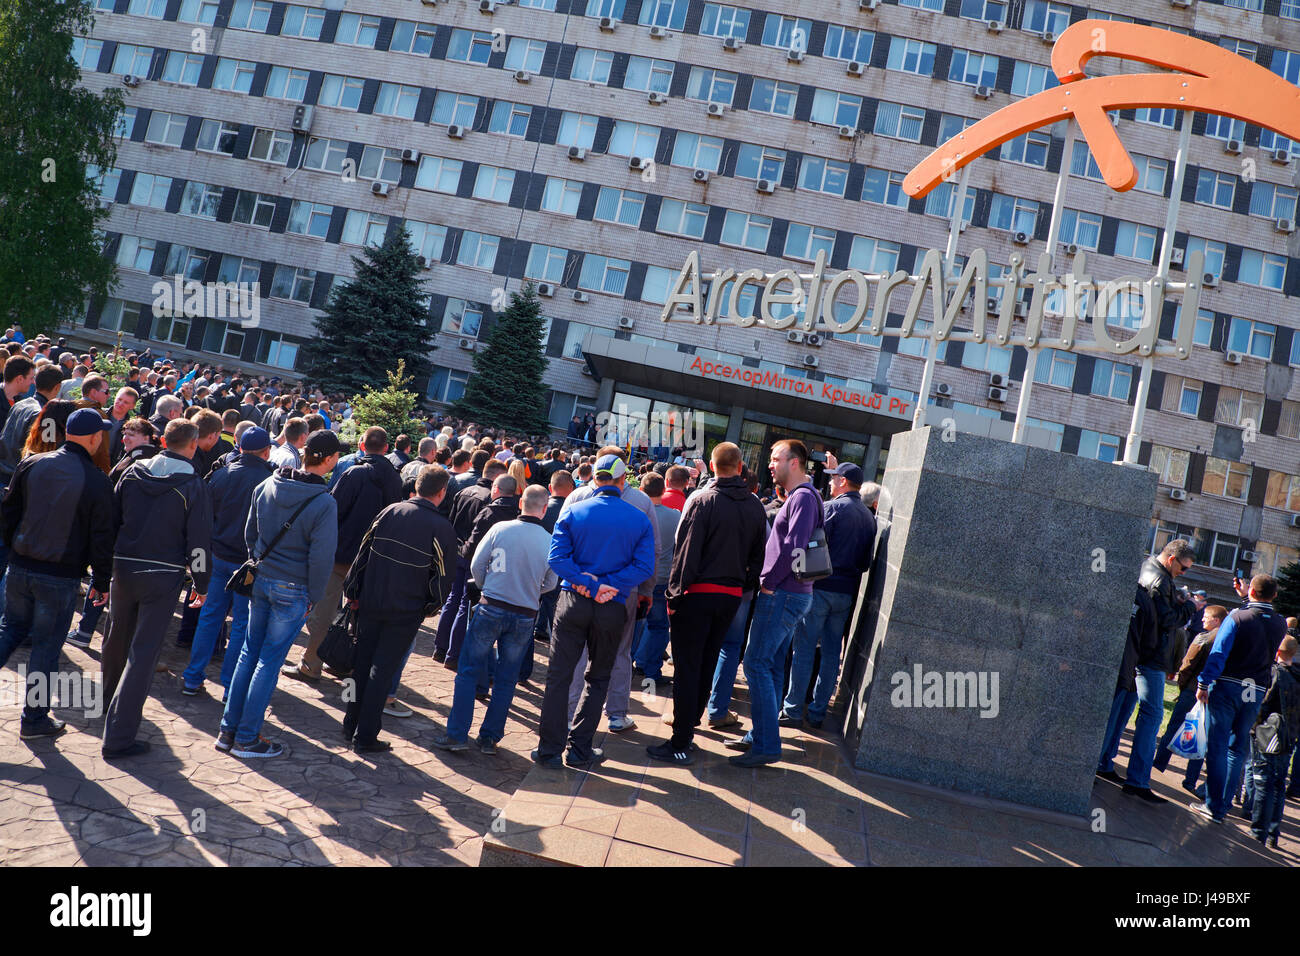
column 291, row 578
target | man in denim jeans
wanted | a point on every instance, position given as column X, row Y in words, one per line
column 782, row 602
column 510, row 569
column 57, row 518
column 290, row 579
column 1231, row 686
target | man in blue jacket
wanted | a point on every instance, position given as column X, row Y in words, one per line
column 602, row 549
column 850, row 536
column 1232, row 685
column 231, row 489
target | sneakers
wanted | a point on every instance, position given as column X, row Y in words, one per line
column 451, row 743
column 49, row 727
column 1143, row 792
column 487, row 745
column 261, row 747
column 77, row 639
column 573, row 760
column 665, row 753
column 785, row 720
column 552, row 762
column 225, row 741
column 618, row 725
column 189, row 691
column 439, row 656
column 1201, row 810
column 396, row 708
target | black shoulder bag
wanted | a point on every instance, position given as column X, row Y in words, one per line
column 241, row 582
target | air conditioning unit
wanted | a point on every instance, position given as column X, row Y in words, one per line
column 813, row 339
column 700, row 175
column 868, row 4
column 995, row 26
column 410, row 155
column 467, row 344
column 1114, row 119
column 1210, row 280
column 429, row 3
column 1180, row 3
column 422, row 262
column 523, row 76
column 580, row 296
column 811, row 360
column 1295, row 521
column 636, row 162
column 456, row 131
column 1249, row 557
column 302, row 118
column 1232, row 146
column 794, row 56
column 577, row 153
column 943, row 388
column 855, row 68
column 847, row 132
column 1178, row 494
column 1020, row 237
column 380, row 189
column 545, row 290
column 765, row 186
column 658, row 99
column 1047, row 36
column 608, row 24
column 586, row 370
column 997, row 394
column 1070, row 248
column 1282, row 156
column 717, row 109
column 1285, row 225
column 658, row 32
column 1177, row 256
column 991, row 304
column 1022, row 310
column 794, row 336
column 1232, row 358
column 732, row 44
column 487, row 6
column 997, row 380
column 625, row 322
column 131, row 80
column 983, row 92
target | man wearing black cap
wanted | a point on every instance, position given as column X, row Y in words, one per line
column 164, row 516
column 850, row 537
column 57, row 518
column 232, row 490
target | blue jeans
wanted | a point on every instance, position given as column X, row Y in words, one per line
column 276, row 614
column 1151, row 708
column 823, row 625
column 90, row 614
column 1228, row 728
column 211, row 616
column 454, row 616
column 39, row 606
column 1269, row 775
column 775, row 618
column 724, row 675
column 512, row 635
column 1121, row 708
column 652, row 640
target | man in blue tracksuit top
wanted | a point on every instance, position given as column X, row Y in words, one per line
column 1231, row 686
column 602, row 549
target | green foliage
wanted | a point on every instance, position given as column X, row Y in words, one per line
column 114, row 366
column 53, row 130
column 506, row 389
column 1287, row 601
column 391, row 407
column 367, row 321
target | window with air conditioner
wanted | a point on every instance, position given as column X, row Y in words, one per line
column 845, row 43
column 454, row 109
column 1214, row 252
column 1043, row 17
column 786, row 33
column 1170, row 465
column 711, row 86
column 984, row 10
column 578, row 129
column 131, row 60
column 382, row 164
column 1272, row 201
column 693, row 151
column 760, row 162
column 1251, row 337
column 524, row 54
column 836, row 109
column 669, row 14
column 633, row 139
column 1013, row 214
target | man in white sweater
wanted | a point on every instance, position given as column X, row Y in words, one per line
column 510, row 568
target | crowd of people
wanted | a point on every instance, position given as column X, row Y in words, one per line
column 1239, row 666
column 233, row 501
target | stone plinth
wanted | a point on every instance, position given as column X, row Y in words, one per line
column 1009, row 563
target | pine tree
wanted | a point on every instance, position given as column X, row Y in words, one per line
column 54, row 131
column 1287, row 601
column 371, row 319
column 506, row 389
column 392, row 408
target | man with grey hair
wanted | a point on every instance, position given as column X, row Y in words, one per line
column 510, row 569
column 166, row 408
column 870, row 495
column 423, row 456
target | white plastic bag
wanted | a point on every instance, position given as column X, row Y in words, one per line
column 1189, row 742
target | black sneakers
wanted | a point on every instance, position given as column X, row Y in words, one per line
column 225, row 741
column 665, row 753
column 51, row 726
column 261, row 747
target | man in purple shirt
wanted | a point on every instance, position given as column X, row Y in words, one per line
column 781, row 603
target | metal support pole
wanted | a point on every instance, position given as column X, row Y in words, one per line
column 932, row 349
column 1132, row 445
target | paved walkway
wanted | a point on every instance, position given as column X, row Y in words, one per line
column 186, row 804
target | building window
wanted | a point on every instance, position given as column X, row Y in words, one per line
column 1264, row 269
column 427, row 239
column 1251, row 337
column 647, row 75
column 239, row 270
column 343, row 92
column 786, row 33
column 1028, row 149
column 562, row 196
column 1081, row 228
column 1054, row 367
column 198, row 11
column 1013, row 214
column 804, row 242
column 985, row 10
column 874, row 256
column 1223, row 553
column 604, row 274
column 760, row 162
column 1152, row 174
column 185, row 68
column 1112, row 380
column 1214, row 252
column 1043, row 17
column 524, row 54
column 1283, row 491
column 1272, row 558
column 150, row 190
column 233, row 75
column 250, row 15
column 302, row 22
column 619, row 205
column 724, row 21
column 216, row 136
column 836, row 109
column 470, row 46
column 493, row 183
column 657, row 282
column 454, row 109
column 357, row 30
column 283, row 83
column 1238, row 407
column 1215, row 189
column 1136, row 242
column 941, row 199
column 293, row 283
column 934, row 6
column 135, row 252
column 824, row 176
column 1273, row 201
column 605, row 8
column 693, row 151
column 447, row 385
column 201, row 200
column 380, row 163
column 132, row 60
column 592, row 66
column 911, row 56
column 1224, row 127
column 633, row 139
column 577, row 129
column 310, row 218
column 170, row 329
column 85, row 53
column 438, row 173
column 770, row 96
column 274, row 349
column 1098, row 445
column 254, row 209
column 885, row 187
column 683, row 218
column 710, row 86
column 899, row 122
column 397, row 100
column 985, row 357
column 663, row 13
column 1186, row 395
column 973, row 69
column 187, row 262
column 1030, row 78
column 478, row 250
column 413, row 38
column 510, row 118
column 223, row 338
column 106, row 181
column 546, row 263
column 845, row 43
column 1170, row 464
column 746, row 230
column 361, row 228
column 1152, row 116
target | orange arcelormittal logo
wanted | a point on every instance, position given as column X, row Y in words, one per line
column 1207, row 79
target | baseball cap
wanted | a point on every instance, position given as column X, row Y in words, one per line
column 611, row 466
column 86, row 421
column 849, row 471
column 324, row 443
column 1201, row 593
column 254, row 439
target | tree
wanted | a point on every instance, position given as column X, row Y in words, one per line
column 506, row 389
column 392, row 408
column 369, row 320
column 1287, row 601
column 57, row 137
